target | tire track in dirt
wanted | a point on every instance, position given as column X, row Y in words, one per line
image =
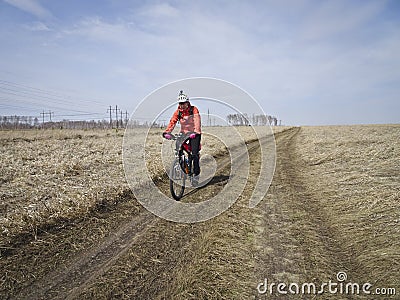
column 157, row 247
column 152, row 277
column 90, row 263
column 68, row 282
column 297, row 242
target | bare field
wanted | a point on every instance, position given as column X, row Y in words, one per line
column 355, row 171
column 60, row 174
column 71, row 228
column 48, row 175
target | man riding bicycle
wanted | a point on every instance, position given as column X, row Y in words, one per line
column 189, row 118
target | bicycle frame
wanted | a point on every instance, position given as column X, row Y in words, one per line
column 183, row 153
column 181, row 167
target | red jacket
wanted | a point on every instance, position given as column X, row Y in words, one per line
column 189, row 123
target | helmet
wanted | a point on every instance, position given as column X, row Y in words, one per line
column 182, row 97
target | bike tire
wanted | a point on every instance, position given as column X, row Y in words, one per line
column 177, row 180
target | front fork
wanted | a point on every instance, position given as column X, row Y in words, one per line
column 186, row 163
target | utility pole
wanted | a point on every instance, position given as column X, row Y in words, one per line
column 126, row 118
column 46, row 113
column 42, row 114
column 116, row 114
column 110, row 110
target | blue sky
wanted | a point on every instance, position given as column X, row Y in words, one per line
column 307, row 62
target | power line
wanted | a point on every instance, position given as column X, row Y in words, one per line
column 83, row 114
column 31, row 101
column 46, row 92
column 8, row 106
column 35, row 110
column 30, row 96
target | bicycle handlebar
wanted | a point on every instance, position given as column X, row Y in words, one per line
column 179, row 135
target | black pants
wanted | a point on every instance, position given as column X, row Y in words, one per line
column 195, row 144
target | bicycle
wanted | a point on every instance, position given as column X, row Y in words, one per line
column 181, row 168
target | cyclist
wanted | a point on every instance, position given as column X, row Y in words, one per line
column 189, row 118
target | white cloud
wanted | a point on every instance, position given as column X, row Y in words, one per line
column 160, row 10
column 31, row 6
column 37, row 26
column 94, row 28
column 335, row 17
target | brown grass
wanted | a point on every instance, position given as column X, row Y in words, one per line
column 348, row 178
column 355, row 170
column 53, row 175
column 49, row 175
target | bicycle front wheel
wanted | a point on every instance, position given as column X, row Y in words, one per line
column 177, row 180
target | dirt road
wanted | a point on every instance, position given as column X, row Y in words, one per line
column 296, row 239
column 316, row 241
column 121, row 251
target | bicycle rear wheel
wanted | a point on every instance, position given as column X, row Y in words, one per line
column 177, row 180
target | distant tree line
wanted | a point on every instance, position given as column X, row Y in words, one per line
column 31, row 122
column 18, row 122
column 255, row 120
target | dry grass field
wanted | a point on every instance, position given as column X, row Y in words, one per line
column 55, row 175
column 70, row 227
column 355, row 171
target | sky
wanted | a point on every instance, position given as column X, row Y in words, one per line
column 307, row 62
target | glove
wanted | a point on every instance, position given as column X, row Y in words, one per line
column 167, row 136
column 192, row 135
